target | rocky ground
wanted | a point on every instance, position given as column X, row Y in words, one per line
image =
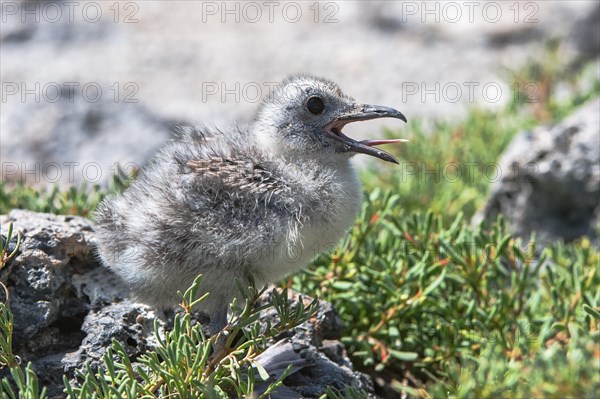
column 68, row 309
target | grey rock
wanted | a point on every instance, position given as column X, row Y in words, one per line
column 48, row 308
column 551, row 180
column 53, row 249
column 68, row 309
column 318, row 363
column 586, row 35
column 132, row 324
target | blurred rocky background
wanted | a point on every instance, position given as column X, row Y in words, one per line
column 88, row 84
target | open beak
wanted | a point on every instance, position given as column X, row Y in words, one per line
column 363, row 113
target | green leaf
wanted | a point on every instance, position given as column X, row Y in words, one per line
column 403, row 356
column 592, row 312
column 435, row 283
column 264, row 375
column 342, row 285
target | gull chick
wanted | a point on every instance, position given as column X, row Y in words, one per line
column 260, row 200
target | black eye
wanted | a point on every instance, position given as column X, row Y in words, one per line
column 315, row 105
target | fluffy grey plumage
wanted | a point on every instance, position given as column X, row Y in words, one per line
column 262, row 200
